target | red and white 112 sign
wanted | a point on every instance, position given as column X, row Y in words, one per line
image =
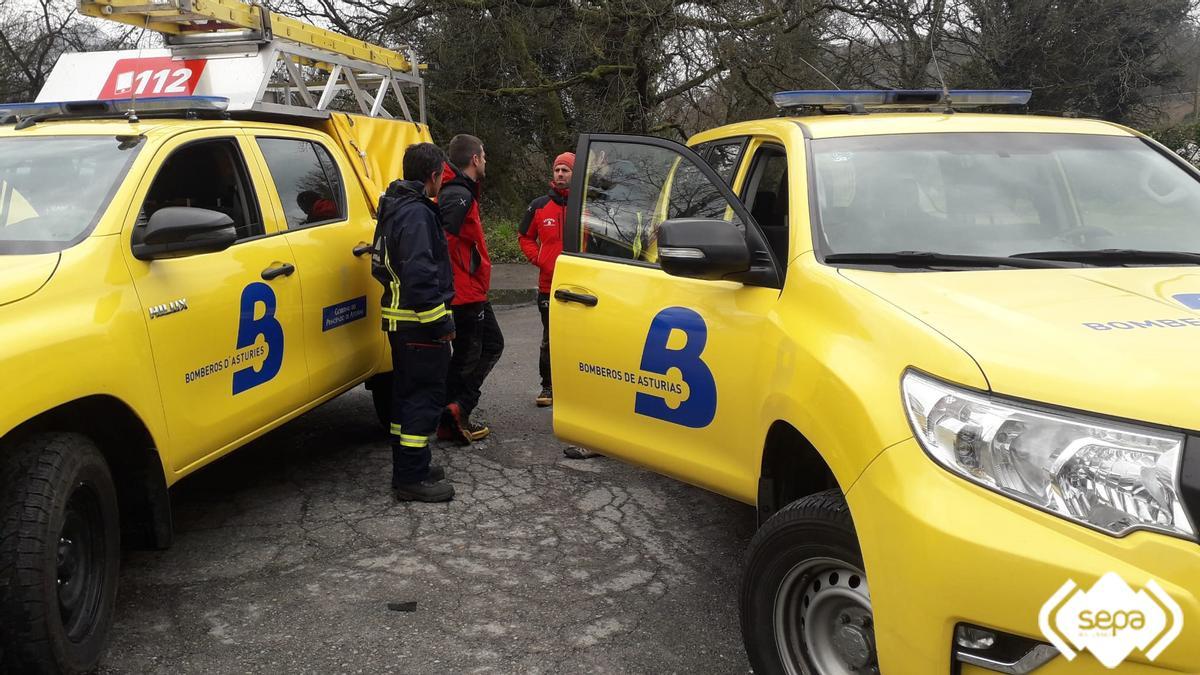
column 161, row 76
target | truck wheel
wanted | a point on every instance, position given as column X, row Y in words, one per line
column 381, row 393
column 805, row 606
column 59, row 554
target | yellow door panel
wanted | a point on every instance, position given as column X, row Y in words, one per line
column 224, row 326
column 660, row 370
column 329, row 229
column 649, row 367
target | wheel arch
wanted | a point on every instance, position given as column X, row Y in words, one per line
column 791, row 468
column 132, row 456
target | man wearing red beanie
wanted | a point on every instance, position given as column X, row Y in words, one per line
column 540, row 235
column 541, row 241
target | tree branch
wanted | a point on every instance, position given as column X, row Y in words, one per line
column 687, row 85
column 596, row 74
column 672, row 126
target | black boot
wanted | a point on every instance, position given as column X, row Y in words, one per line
column 427, row 490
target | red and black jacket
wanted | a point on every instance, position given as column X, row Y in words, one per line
column 459, row 204
column 540, row 233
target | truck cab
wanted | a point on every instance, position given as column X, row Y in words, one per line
column 941, row 351
column 192, row 238
column 186, row 246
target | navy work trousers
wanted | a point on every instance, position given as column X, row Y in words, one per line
column 418, row 394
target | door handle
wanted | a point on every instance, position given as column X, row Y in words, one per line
column 581, row 298
column 281, row 270
column 362, row 249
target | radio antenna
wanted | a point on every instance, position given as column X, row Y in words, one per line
column 935, row 23
column 132, row 114
column 818, row 71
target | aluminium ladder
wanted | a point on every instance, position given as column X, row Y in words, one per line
column 291, row 48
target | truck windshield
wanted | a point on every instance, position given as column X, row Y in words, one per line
column 1001, row 195
column 53, row 190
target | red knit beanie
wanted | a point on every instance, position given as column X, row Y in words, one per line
column 567, row 158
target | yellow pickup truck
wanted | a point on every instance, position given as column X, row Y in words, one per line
column 170, row 289
column 185, row 240
column 948, row 355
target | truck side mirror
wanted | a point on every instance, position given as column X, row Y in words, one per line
column 174, row 230
column 702, row 248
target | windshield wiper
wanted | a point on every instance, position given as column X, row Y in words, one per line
column 1115, row 256
column 930, row 258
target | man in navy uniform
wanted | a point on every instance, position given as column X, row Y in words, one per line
column 410, row 259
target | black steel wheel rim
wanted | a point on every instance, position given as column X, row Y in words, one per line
column 80, row 563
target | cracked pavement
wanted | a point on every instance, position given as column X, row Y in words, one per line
column 289, row 551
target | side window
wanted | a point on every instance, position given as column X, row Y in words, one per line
column 14, row 207
column 723, row 157
column 307, row 180
column 631, row 187
column 766, row 196
column 209, row 174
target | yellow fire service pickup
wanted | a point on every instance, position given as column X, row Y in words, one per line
column 950, row 357
column 185, row 240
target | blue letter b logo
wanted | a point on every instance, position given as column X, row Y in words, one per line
column 249, row 328
column 701, row 405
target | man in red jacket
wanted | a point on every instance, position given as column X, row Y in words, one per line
column 540, row 235
column 479, row 343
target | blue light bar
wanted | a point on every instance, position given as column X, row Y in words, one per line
column 823, row 97
column 899, row 98
column 990, row 96
column 85, row 109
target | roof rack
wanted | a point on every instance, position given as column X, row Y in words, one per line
column 284, row 48
column 862, row 100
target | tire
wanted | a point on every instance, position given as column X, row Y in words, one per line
column 381, row 393
column 805, row 605
column 59, row 554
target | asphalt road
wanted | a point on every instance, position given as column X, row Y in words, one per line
column 289, row 551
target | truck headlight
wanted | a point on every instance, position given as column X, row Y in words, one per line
column 1111, row 476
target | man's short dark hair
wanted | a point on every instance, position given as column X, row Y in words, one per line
column 422, row 160
column 462, row 148
column 306, row 199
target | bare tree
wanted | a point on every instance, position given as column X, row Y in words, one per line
column 887, row 44
column 528, row 75
column 1094, row 57
column 34, row 34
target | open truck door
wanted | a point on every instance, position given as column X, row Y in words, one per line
column 664, row 280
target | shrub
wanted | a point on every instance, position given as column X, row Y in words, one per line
column 502, row 242
column 1184, row 139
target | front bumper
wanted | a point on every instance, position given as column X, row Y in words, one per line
column 939, row 550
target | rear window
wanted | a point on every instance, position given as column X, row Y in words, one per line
column 54, row 190
column 307, row 180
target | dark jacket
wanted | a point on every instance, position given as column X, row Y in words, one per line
column 459, row 204
column 411, row 261
column 540, row 233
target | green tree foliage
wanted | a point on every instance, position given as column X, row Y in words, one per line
column 527, row 76
column 1095, row 57
column 1183, row 139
